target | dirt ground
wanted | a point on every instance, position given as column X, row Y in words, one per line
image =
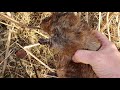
column 20, row 32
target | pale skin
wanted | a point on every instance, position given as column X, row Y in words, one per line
column 105, row 62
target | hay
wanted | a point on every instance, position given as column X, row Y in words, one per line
column 21, row 30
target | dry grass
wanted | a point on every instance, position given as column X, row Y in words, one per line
column 21, row 30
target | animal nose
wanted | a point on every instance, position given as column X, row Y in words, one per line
column 44, row 41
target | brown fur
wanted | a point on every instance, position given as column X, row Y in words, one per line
column 68, row 34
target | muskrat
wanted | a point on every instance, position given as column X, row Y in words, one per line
column 69, row 34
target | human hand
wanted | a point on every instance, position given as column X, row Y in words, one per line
column 105, row 62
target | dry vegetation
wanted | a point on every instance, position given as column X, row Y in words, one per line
column 20, row 32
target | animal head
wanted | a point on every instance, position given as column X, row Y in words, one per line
column 68, row 33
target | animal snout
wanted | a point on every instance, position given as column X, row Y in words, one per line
column 45, row 41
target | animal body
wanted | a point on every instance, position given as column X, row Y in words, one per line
column 69, row 34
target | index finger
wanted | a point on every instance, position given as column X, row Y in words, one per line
column 102, row 38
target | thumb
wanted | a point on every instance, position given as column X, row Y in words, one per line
column 84, row 56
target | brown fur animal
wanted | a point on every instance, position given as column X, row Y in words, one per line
column 68, row 34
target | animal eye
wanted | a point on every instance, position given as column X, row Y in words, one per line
column 78, row 33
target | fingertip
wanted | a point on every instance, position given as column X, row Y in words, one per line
column 76, row 56
column 102, row 38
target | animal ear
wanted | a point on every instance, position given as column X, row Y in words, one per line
column 84, row 26
column 46, row 23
